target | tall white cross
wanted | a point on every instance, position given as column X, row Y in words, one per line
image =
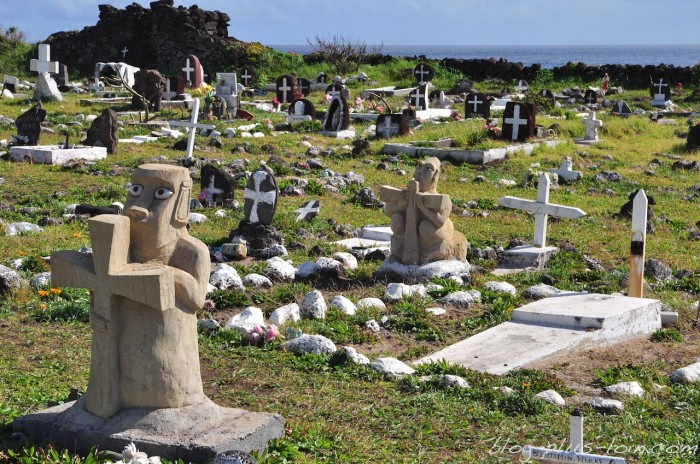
column 422, row 72
column 187, row 70
column 258, row 197
column 246, row 76
column 284, row 88
column 191, row 125
column 475, row 103
column 516, row 122
column 542, row 208
column 592, row 124
column 44, row 63
column 124, row 52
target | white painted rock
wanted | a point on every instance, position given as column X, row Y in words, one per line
column 348, row 261
column 225, row 277
column 344, row 305
column 372, row 326
column 196, row 218
column 501, row 287
column 436, row 311
column 256, row 281
column 433, row 287
column 279, row 270
column 306, row 270
column 284, row 314
column 392, row 366
column 539, row 291
column 606, row 405
column 209, row 324
column 626, row 388
column 687, row 374
column 453, row 381
column 398, row 291
column 220, row 213
column 314, row 344
column 230, row 133
column 46, row 88
column 368, row 303
column 246, row 320
column 506, row 183
column 457, row 280
column 551, row 397
column 460, row 298
column 350, row 354
column 21, row 227
column 41, row 280
column 313, row 305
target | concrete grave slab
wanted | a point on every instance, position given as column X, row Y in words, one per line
column 53, row 154
column 562, row 323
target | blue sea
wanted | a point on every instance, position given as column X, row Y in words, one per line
column 548, row 56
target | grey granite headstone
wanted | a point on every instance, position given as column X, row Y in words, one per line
column 103, row 131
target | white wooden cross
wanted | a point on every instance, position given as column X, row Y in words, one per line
column 309, row 211
column 516, row 122
column 475, row 103
column 542, row 208
column 284, row 88
column 191, row 125
column 258, row 196
column 592, row 124
column 639, row 236
column 44, row 63
column 124, row 52
column 187, row 70
column 660, row 95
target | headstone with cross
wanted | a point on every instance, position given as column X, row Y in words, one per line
column 522, row 86
column 592, row 124
column 46, row 88
column 322, row 78
column 338, row 115
column 542, row 209
column 660, row 93
column 392, row 125
column 621, row 108
column 191, row 71
column 418, row 98
column 546, row 93
column 286, row 87
column 216, row 186
column 301, row 110
column 191, row 125
column 334, row 89
column 518, row 121
column 591, row 97
column 260, row 198
column 248, row 76
column 477, row 105
column 309, row 211
column 424, row 73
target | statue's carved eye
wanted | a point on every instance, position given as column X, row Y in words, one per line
column 135, row 190
column 163, row 193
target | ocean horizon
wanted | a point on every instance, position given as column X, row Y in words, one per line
column 548, row 56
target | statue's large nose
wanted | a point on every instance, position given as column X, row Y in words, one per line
column 136, row 212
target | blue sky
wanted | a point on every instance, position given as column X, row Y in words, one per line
column 407, row 22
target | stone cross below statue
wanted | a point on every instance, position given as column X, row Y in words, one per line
column 422, row 229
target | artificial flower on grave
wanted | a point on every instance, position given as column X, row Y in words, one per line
column 259, row 335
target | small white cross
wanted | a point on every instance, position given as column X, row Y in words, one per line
column 124, row 52
column 246, row 77
column 284, row 88
column 44, row 63
column 660, row 85
column 591, row 98
column 187, row 70
column 516, row 122
column 541, row 208
column 475, row 103
column 168, row 94
column 258, row 197
column 311, row 208
column 191, row 125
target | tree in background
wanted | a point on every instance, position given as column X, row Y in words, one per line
column 14, row 51
column 344, row 53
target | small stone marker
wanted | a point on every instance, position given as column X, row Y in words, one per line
column 191, row 125
column 592, row 124
column 565, row 171
column 217, row 186
column 260, row 198
column 621, row 108
column 304, row 86
column 62, row 78
column 29, row 125
column 191, row 71
column 542, row 208
column 424, row 73
column 391, row 125
column 338, row 115
column 286, row 87
column 660, row 92
column 518, row 121
column 418, row 98
column 546, row 93
column 637, row 248
column 247, row 76
column 575, row 452
column 477, row 105
column 301, row 110
column 591, row 97
column 103, row 131
column 309, row 211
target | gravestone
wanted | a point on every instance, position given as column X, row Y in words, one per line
column 620, row 108
column 338, row 115
column 103, row 132
column 260, row 196
column 191, row 125
column 191, row 72
column 301, row 110
column 219, row 109
column 286, row 86
column 148, row 278
column 149, row 84
column 660, row 93
column 309, row 211
column 477, row 105
column 424, row 73
column 304, row 86
column 11, row 83
column 418, row 98
column 522, row 86
column 227, row 88
column 693, row 139
column 392, row 125
column 591, row 97
column 168, row 93
column 46, row 88
column 518, row 121
column 422, row 230
column 335, row 89
column 592, row 124
column 546, row 93
column 216, row 186
column 566, row 172
column 62, row 78
column 248, row 76
column 29, row 125
column 322, row 78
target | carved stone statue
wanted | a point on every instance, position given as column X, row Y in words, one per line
column 420, row 222
column 148, row 277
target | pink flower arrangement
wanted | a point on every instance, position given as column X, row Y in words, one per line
column 259, row 334
column 209, row 305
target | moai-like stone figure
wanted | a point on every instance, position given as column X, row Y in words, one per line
column 148, row 278
column 420, row 222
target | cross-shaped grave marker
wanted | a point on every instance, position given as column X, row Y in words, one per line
column 211, row 190
column 422, row 72
column 191, row 125
column 258, row 196
column 44, row 63
column 417, row 97
column 542, row 208
column 168, row 94
column 246, row 77
column 124, row 52
column 284, row 88
column 188, row 69
column 591, row 99
column 661, row 95
column 309, row 211
column 475, row 102
column 516, row 121
column 592, row 124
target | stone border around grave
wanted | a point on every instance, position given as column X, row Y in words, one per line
column 477, row 157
